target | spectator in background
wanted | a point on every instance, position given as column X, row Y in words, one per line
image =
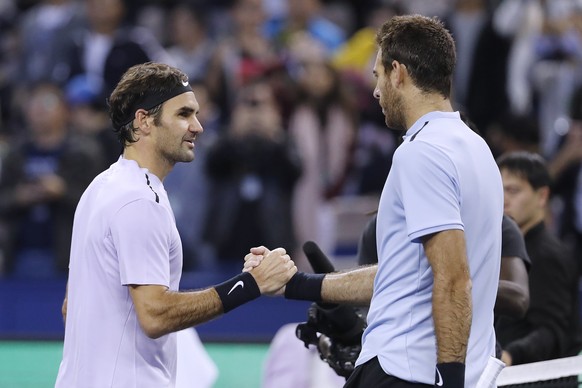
column 88, row 116
column 323, row 125
column 375, row 143
column 305, row 16
column 190, row 47
column 479, row 84
column 106, row 46
column 252, row 171
column 43, row 177
column 188, row 188
column 550, row 329
column 544, row 62
column 44, row 28
column 514, row 132
column 240, row 56
column 566, row 170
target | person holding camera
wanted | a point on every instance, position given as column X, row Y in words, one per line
column 252, row 170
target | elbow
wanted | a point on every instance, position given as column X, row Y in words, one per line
column 152, row 329
column 150, row 322
column 522, row 304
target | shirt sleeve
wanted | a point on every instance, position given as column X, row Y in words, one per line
column 429, row 189
column 141, row 234
column 512, row 242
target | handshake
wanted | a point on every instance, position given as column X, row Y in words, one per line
column 272, row 270
column 336, row 330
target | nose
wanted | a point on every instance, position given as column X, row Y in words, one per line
column 376, row 93
column 505, row 205
column 196, row 126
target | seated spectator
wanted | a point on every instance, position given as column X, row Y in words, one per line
column 43, row 177
column 550, row 327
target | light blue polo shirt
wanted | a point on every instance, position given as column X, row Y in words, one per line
column 443, row 177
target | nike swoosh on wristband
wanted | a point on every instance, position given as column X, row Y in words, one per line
column 239, row 283
column 440, row 381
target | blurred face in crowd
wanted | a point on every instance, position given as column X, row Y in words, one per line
column 522, row 202
column 249, row 14
column 175, row 131
column 316, row 77
column 46, row 111
column 105, row 15
column 256, row 112
column 389, row 99
column 184, row 26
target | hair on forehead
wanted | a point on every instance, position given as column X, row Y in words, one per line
column 527, row 165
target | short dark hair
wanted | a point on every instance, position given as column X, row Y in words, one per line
column 425, row 46
column 527, row 165
column 137, row 82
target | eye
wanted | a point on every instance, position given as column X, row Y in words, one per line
column 512, row 190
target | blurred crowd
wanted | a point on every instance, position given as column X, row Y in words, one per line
column 290, row 123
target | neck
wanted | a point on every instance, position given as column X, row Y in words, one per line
column 50, row 139
column 156, row 165
column 527, row 226
column 421, row 103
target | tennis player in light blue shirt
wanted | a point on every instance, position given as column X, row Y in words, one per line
column 438, row 232
column 443, row 177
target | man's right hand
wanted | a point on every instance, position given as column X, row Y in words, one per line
column 274, row 270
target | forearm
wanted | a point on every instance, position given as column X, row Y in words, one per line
column 173, row 311
column 351, row 287
column 512, row 299
column 451, row 294
column 64, row 305
column 452, row 314
column 541, row 344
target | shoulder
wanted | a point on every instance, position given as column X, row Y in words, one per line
column 127, row 184
column 420, row 154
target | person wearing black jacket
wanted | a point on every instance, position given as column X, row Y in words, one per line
column 550, row 329
column 252, row 170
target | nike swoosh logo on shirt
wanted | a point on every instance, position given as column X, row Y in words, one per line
column 239, row 283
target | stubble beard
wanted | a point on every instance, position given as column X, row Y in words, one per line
column 393, row 109
column 177, row 155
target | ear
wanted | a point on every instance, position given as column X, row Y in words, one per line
column 142, row 120
column 398, row 74
column 543, row 195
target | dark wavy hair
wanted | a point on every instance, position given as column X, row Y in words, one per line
column 138, row 81
column 527, row 165
column 425, row 46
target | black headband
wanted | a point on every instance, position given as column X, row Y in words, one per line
column 151, row 100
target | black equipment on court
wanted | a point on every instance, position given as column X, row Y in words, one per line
column 336, row 330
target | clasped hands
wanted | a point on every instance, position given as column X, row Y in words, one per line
column 270, row 269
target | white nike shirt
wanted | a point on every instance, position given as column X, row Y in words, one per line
column 124, row 233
